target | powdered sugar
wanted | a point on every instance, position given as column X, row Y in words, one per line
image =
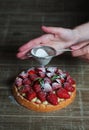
column 41, row 53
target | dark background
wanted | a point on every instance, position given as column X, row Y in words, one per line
column 21, row 20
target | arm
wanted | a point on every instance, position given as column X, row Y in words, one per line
column 59, row 38
column 82, row 48
column 82, row 32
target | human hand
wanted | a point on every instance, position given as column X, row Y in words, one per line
column 56, row 37
column 81, row 50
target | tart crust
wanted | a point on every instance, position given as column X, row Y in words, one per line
column 42, row 107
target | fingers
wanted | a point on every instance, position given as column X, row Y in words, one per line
column 81, row 52
column 22, row 54
column 50, row 29
column 38, row 41
column 43, row 40
column 80, row 45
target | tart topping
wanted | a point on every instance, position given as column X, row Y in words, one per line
column 42, row 96
column 30, row 95
column 62, row 93
column 45, row 85
column 18, row 81
column 52, row 98
column 37, row 87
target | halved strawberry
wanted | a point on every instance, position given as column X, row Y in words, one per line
column 46, row 79
column 37, row 87
column 25, row 89
column 32, row 72
column 30, row 95
column 52, row 69
column 68, row 87
column 33, row 77
column 41, row 74
column 62, row 93
column 26, row 81
column 40, row 69
column 70, row 80
column 23, row 75
column 56, row 85
column 47, row 87
column 49, row 74
column 18, row 81
column 42, row 96
column 52, row 98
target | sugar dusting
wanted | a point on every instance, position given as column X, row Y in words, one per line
column 41, row 53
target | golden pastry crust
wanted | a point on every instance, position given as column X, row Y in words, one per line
column 40, row 107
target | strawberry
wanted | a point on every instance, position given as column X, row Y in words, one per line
column 18, row 81
column 30, row 95
column 47, row 87
column 46, row 79
column 26, row 81
column 52, row 70
column 52, row 98
column 42, row 96
column 40, row 69
column 49, row 74
column 41, row 74
column 30, row 72
column 33, row 77
column 70, row 80
column 62, row 93
column 37, row 87
column 25, row 89
column 68, row 87
column 23, row 75
column 56, row 85
column 62, row 80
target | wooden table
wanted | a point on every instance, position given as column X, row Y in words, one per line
column 20, row 21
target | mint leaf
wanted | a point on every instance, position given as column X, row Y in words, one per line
column 55, row 77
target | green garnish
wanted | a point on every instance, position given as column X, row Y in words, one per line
column 55, row 77
column 41, row 81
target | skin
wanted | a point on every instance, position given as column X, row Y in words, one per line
column 76, row 39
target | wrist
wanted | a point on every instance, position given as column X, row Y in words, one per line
column 77, row 36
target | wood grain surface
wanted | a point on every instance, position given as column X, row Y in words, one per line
column 20, row 21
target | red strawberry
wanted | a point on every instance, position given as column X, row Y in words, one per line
column 33, row 77
column 42, row 96
column 52, row 98
column 62, row 93
column 40, row 69
column 18, row 81
column 26, row 81
column 56, row 85
column 31, row 72
column 30, row 95
column 37, row 87
column 68, row 87
column 25, row 89
column 70, row 80
column 41, row 74
column 62, row 80
column 46, row 79
column 23, row 75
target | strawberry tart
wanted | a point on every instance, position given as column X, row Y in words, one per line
column 44, row 89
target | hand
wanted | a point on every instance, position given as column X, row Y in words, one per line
column 56, row 37
column 81, row 50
